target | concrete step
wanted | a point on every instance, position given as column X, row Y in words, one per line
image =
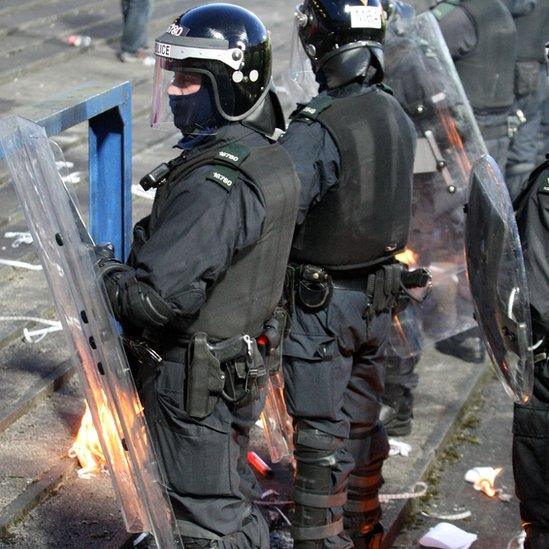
column 26, row 367
column 37, row 442
column 35, row 469
column 26, row 51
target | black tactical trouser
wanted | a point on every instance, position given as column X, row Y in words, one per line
column 531, row 460
column 523, row 150
column 494, row 130
column 334, row 368
column 400, row 381
column 204, row 462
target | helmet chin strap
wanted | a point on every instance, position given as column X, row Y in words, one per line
column 348, row 63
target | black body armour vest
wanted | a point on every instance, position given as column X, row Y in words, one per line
column 488, row 71
column 365, row 218
column 533, row 32
column 246, row 295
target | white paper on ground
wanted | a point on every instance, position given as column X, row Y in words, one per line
column 447, row 536
column 397, row 447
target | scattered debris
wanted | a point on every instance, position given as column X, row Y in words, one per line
column 259, row 465
column 518, row 541
column 447, row 536
column 484, row 480
column 141, row 538
column 137, row 190
column 284, row 517
column 64, row 164
column 453, row 516
column 397, row 447
column 418, row 491
column 20, row 264
column 72, row 178
column 41, row 333
column 19, row 238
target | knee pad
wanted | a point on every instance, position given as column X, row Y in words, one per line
column 315, row 453
column 362, row 510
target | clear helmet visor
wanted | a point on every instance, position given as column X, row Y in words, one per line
column 300, row 80
column 210, row 81
column 184, row 98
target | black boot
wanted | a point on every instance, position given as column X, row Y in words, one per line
column 397, row 423
column 536, row 538
column 467, row 346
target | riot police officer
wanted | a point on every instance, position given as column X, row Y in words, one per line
column 353, row 147
column 207, row 267
column 481, row 37
column 482, row 40
column 532, row 21
column 531, row 421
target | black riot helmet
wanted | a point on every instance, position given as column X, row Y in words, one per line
column 213, row 66
column 343, row 38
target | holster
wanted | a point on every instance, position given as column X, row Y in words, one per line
column 232, row 369
column 313, row 288
column 205, row 378
column 275, row 330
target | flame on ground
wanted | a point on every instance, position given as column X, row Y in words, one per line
column 487, row 482
column 87, row 448
column 408, row 257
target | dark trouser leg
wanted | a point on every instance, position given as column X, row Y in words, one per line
column 317, row 370
column 530, row 460
column 400, row 382
column 494, row 128
column 136, row 15
column 368, row 440
column 523, row 149
column 498, row 149
column 202, row 463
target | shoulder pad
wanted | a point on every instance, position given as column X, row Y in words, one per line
column 385, row 88
column 224, row 176
column 314, row 108
column 233, row 153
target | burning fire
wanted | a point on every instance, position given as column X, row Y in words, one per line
column 487, row 482
column 408, row 257
column 87, row 447
column 484, row 479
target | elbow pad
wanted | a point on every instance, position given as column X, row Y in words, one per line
column 132, row 301
column 143, row 306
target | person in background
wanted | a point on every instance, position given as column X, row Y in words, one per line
column 134, row 42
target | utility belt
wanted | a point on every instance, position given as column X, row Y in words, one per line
column 234, row 369
column 313, row 286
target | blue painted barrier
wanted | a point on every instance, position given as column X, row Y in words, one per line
column 108, row 111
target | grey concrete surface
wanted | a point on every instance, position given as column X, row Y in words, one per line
column 483, row 439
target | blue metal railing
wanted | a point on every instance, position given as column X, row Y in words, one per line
column 108, row 110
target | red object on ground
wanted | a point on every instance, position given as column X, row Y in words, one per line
column 259, row 465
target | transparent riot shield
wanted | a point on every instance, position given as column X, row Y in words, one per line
column 277, row 424
column 422, row 75
column 64, row 248
column 497, row 275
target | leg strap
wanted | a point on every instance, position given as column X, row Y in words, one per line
column 318, row 500
column 315, row 454
column 313, row 533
